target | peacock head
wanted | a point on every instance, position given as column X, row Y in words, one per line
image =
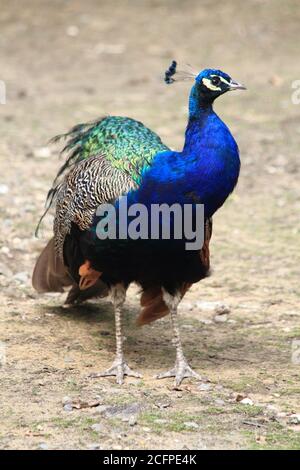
column 212, row 83
column 209, row 84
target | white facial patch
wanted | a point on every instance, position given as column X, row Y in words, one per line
column 210, row 86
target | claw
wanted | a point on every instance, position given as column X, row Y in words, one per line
column 118, row 369
column 181, row 371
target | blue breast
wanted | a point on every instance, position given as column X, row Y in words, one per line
column 206, row 171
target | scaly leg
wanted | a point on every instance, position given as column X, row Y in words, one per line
column 119, row 367
column 182, row 368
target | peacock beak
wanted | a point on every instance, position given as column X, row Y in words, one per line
column 233, row 85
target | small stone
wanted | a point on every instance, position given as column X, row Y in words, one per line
column 68, row 407
column 275, row 80
column 93, row 446
column 132, row 421
column 246, row 401
column 72, row 31
column 43, row 446
column 208, row 306
column 187, row 327
column 294, row 419
column 191, row 425
column 66, row 400
column 98, row 427
column 206, row 321
column 221, row 318
column 68, row 360
column 42, row 152
column 222, row 309
column 204, row 387
column 3, row 189
column 219, row 402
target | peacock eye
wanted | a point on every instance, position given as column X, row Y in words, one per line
column 215, row 80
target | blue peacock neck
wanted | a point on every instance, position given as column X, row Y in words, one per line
column 211, row 153
column 201, row 115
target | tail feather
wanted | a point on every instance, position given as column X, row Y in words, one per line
column 154, row 305
column 153, row 311
column 50, row 274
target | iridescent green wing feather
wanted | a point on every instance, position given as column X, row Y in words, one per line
column 126, row 143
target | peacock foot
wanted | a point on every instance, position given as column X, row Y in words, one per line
column 118, row 369
column 181, row 371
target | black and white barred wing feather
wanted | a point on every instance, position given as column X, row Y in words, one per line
column 91, row 182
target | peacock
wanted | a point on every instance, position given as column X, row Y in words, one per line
column 118, row 156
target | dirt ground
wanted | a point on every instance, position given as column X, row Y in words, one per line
column 66, row 62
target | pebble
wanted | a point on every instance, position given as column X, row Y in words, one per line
column 221, row 318
column 204, row 387
column 68, row 360
column 72, row 31
column 98, row 427
column 191, row 425
column 132, row 421
column 43, row 446
column 93, row 446
column 66, row 400
column 210, row 306
column 246, row 401
column 3, row 189
column 187, row 327
column 146, row 429
column 206, row 321
column 294, row 419
column 222, row 309
column 219, row 402
column 68, row 407
column 42, row 152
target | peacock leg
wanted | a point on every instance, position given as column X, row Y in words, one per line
column 119, row 367
column 181, row 369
